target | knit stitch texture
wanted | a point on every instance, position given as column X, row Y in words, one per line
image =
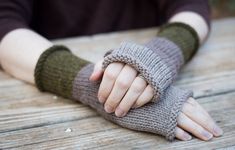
column 62, row 73
column 182, row 35
column 156, row 117
column 159, row 65
column 166, row 48
column 158, row 61
column 56, row 70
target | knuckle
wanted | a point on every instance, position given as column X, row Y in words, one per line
column 188, row 108
column 141, row 80
column 137, row 88
column 102, row 94
column 111, row 104
column 122, row 84
column 109, row 74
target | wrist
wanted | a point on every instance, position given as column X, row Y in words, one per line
column 184, row 36
column 56, row 70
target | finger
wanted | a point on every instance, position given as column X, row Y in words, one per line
column 97, row 72
column 145, row 97
column 108, row 80
column 196, row 113
column 189, row 125
column 121, row 85
column 137, row 87
column 182, row 135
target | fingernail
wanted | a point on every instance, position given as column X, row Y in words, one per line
column 92, row 75
column 108, row 109
column 187, row 137
column 119, row 112
column 217, row 131
column 207, row 135
column 135, row 106
column 101, row 99
column 90, row 78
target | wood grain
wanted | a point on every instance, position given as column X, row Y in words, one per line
column 33, row 120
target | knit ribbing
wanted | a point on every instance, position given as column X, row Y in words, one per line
column 182, row 35
column 157, row 117
column 148, row 63
column 160, row 59
column 56, row 70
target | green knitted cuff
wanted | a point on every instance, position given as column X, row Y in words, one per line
column 56, row 70
column 182, row 35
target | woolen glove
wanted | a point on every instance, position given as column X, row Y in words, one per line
column 62, row 73
column 160, row 59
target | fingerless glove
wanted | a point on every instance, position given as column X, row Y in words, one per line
column 62, row 73
column 160, row 59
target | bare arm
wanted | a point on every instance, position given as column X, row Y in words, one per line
column 19, row 53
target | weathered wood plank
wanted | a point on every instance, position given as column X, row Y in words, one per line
column 105, row 135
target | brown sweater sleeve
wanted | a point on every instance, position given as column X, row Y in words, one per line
column 23, row 13
column 14, row 14
column 169, row 8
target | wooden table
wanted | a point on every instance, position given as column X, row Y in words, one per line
column 33, row 120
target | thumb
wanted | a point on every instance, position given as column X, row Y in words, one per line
column 97, row 72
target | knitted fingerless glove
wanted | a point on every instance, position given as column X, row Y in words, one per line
column 60, row 72
column 159, row 60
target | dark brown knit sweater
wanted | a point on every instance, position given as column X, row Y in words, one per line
column 63, row 18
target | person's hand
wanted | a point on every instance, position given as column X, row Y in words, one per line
column 121, row 88
column 195, row 120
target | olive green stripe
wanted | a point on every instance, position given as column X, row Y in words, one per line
column 56, row 69
column 183, row 35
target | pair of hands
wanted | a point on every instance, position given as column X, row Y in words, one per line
column 121, row 89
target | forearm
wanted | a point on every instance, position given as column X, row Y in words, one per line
column 19, row 53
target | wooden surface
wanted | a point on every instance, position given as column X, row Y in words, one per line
column 33, row 120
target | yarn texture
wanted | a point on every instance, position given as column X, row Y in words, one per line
column 60, row 72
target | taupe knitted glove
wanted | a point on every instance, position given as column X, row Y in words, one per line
column 160, row 59
column 60, row 72
column 158, row 69
column 156, row 117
